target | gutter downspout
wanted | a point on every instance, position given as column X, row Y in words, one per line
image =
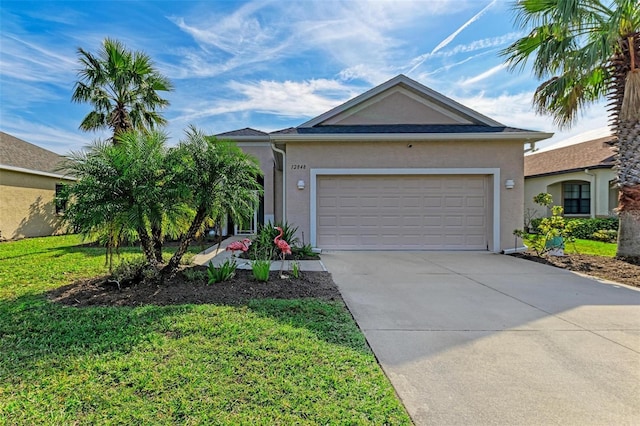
column 594, row 199
column 284, row 181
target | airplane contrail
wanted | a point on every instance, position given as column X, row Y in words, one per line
column 453, row 35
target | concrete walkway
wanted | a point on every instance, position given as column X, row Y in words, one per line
column 219, row 255
column 484, row 339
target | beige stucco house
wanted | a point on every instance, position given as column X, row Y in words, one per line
column 399, row 167
column 580, row 177
column 29, row 178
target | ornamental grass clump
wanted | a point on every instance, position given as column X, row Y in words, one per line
column 260, row 269
column 224, row 272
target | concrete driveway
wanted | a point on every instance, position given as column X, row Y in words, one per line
column 475, row 338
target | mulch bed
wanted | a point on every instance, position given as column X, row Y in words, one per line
column 609, row 268
column 179, row 290
column 244, row 287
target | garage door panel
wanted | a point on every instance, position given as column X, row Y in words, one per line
column 402, row 212
column 476, row 222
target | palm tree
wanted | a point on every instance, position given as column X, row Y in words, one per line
column 220, row 179
column 585, row 50
column 123, row 88
column 126, row 192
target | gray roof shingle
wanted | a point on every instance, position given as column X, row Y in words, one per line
column 15, row 152
column 247, row 131
column 596, row 153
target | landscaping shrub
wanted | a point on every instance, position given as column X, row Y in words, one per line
column 303, row 252
column 262, row 246
column 130, row 270
column 605, row 235
column 194, row 275
column 535, row 223
column 260, row 269
column 222, row 273
column 551, row 232
column 585, row 228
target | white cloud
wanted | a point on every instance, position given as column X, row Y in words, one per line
column 56, row 139
column 360, row 36
column 31, row 62
column 485, row 43
column 284, row 99
column 515, row 110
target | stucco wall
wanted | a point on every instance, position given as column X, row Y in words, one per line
column 27, row 207
column 398, row 105
column 602, row 196
column 302, row 157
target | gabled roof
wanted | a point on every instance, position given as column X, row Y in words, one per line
column 399, row 109
column 593, row 154
column 422, row 93
column 247, row 131
column 17, row 154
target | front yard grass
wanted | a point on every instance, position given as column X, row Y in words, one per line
column 596, row 248
column 265, row 362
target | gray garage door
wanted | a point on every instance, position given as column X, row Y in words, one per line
column 402, row 212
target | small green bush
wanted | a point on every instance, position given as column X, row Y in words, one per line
column 535, row 223
column 262, row 246
column 260, row 269
column 585, row 228
column 188, row 258
column 130, row 270
column 222, row 273
column 304, row 251
column 551, row 232
column 605, row 235
column 295, row 269
column 194, row 275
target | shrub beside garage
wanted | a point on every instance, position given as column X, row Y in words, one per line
column 599, row 228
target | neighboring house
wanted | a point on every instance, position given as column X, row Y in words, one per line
column 398, row 167
column 580, row 177
column 29, row 180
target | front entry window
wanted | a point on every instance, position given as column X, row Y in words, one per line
column 577, row 198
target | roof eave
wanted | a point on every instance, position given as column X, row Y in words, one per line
column 366, row 137
column 256, row 138
column 36, row 172
column 567, row 171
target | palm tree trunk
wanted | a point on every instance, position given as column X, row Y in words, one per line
column 171, row 267
column 628, row 157
column 156, row 235
column 629, row 228
column 147, row 246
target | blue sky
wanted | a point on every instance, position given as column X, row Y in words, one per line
column 263, row 64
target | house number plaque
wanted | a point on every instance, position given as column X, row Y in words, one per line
column 298, row 166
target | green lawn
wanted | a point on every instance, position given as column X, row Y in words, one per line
column 592, row 247
column 268, row 362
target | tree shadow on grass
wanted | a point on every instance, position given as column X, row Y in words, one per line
column 84, row 363
column 37, row 332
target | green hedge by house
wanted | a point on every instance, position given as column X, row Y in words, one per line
column 585, row 228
